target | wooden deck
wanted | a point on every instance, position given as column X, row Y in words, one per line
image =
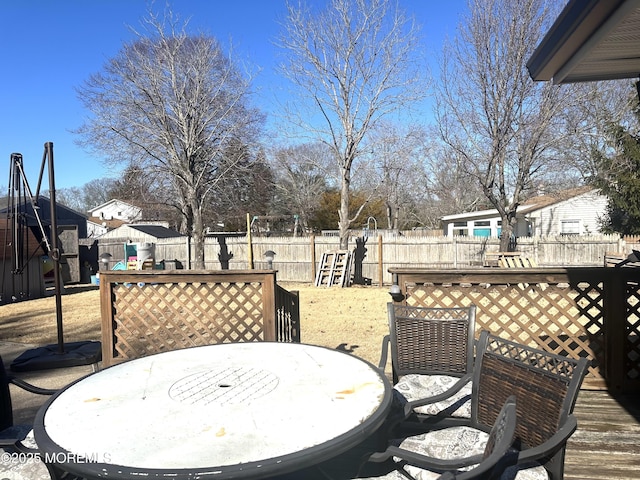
column 605, row 446
column 607, row 442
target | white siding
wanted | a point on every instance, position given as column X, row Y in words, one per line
column 131, row 234
column 579, row 213
column 95, row 230
column 116, row 209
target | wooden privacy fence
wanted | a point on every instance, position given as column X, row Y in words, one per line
column 297, row 258
column 579, row 312
column 146, row 311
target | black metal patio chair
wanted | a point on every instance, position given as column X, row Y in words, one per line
column 432, row 352
column 493, row 455
column 545, row 386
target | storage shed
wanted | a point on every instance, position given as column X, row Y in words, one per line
column 165, row 239
column 22, row 274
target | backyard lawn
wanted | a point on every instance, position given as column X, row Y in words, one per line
column 352, row 319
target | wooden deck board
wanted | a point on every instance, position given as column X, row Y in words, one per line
column 607, row 442
column 606, row 445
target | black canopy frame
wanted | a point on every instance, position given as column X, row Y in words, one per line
column 60, row 354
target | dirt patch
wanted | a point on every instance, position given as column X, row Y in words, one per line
column 352, row 319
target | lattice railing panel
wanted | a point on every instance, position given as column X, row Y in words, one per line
column 632, row 345
column 586, row 312
column 154, row 317
column 558, row 318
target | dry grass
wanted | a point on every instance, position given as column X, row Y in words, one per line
column 352, row 319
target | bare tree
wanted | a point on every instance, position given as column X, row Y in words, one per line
column 302, row 179
column 91, row 194
column 171, row 103
column 501, row 124
column 69, row 197
column 354, row 62
column 248, row 190
column 450, row 188
column 398, row 154
column 96, row 192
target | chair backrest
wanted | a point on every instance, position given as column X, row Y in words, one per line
column 6, row 409
column 431, row 341
column 545, row 386
column 497, row 453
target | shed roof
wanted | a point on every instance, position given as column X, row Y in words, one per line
column 44, row 204
column 157, row 231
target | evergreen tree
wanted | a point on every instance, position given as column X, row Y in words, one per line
column 618, row 178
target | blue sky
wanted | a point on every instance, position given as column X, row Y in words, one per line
column 48, row 48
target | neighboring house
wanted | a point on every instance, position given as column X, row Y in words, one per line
column 115, row 210
column 572, row 212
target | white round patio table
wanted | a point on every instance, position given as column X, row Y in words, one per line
column 237, row 410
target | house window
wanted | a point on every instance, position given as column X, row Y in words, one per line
column 482, row 228
column 460, row 229
column 570, row 227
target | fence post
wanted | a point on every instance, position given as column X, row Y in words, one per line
column 380, row 262
column 312, row 242
column 614, row 326
column 454, row 241
column 188, row 244
column 249, row 246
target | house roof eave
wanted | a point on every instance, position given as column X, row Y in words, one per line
column 590, row 40
column 521, row 210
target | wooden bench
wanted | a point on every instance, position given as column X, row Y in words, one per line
column 619, row 259
column 509, row 260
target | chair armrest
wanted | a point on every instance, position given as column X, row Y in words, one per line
column 384, row 352
column 424, row 461
column 456, row 387
column 549, row 448
column 31, row 388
